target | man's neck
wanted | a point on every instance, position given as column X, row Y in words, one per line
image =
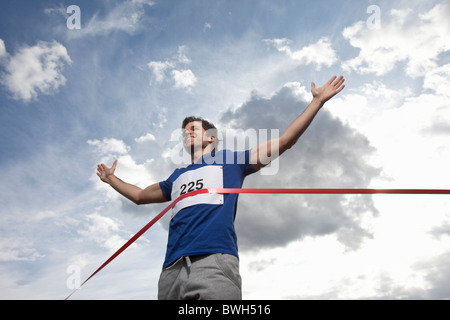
column 198, row 153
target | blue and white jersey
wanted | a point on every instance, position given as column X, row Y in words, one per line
column 204, row 224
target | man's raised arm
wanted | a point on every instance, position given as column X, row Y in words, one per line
column 267, row 151
column 151, row 194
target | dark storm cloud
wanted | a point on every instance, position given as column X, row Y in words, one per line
column 329, row 155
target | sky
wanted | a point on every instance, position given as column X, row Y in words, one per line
column 86, row 82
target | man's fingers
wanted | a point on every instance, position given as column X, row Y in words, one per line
column 101, row 169
column 338, row 85
column 339, row 81
column 331, row 80
column 340, row 89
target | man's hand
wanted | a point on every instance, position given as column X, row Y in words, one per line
column 105, row 173
column 329, row 90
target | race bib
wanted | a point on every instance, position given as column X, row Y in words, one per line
column 201, row 178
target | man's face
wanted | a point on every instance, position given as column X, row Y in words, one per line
column 193, row 136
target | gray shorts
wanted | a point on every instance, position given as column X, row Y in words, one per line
column 206, row 277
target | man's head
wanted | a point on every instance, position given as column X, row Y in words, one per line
column 198, row 132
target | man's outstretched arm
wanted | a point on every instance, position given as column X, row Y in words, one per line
column 151, row 194
column 269, row 150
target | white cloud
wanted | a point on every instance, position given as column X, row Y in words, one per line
column 104, row 231
column 410, row 134
column 110, row 146
column 298, row 90
column 184, row 79
column 159, row 69
column 147, row 2
column 60, row 10
column 182, row 57
column 42, row 215
column 207, row 26
column 127, row 169
column 173, row 69
column 403, row 37
column 147, row 138
column 320, row 53
column 3, row 53
column 18, row 249
column 438, row 80
column 35, row 70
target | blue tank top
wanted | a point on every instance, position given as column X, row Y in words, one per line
column 204, row 224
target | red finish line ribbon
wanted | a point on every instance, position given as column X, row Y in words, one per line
column 259, row 191
column 331, row 191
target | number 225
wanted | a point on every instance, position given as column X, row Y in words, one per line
column 191, row 186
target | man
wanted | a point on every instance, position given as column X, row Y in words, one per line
column 202, row 256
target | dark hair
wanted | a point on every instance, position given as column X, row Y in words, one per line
column 205, row 123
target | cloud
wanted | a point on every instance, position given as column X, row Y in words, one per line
column 174, row 70
column 207, row 26
column 441, row 230
column 184, row 79
column 103, row 230
column 438, row 80
column 130, row 170
column 320, row 53
column 437, row 278
column 60, row 10
column 330, row 154
column 159, row 69
column 416, row 39
column 34, row 70
column 147, row 138
column 111, row 149
column 3, row 53
column 110, row 146
column 14, row 249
